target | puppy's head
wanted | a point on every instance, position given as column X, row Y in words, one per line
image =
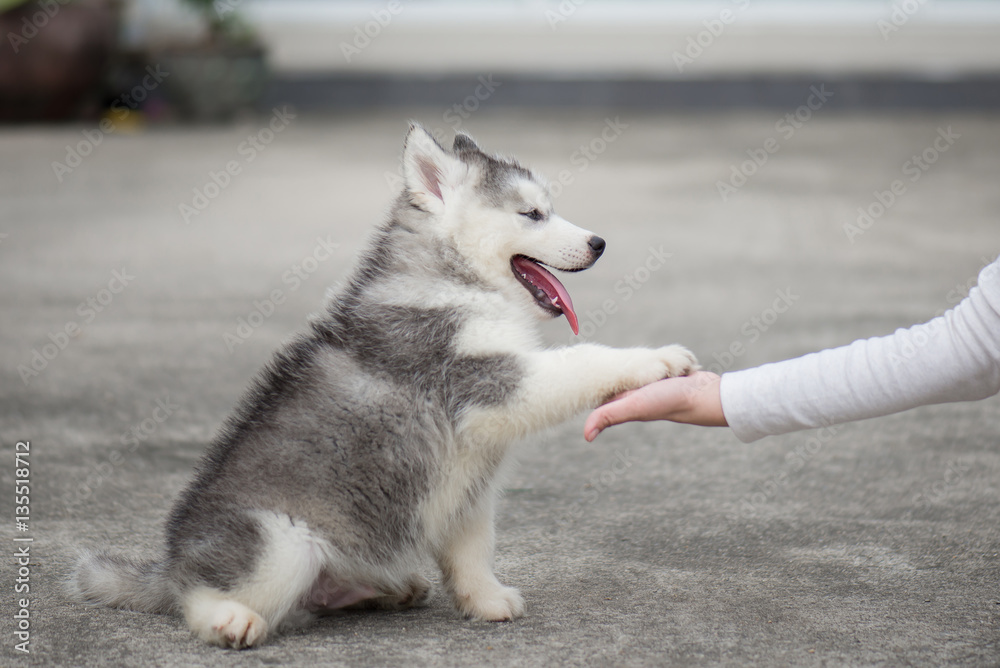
column 499, row 216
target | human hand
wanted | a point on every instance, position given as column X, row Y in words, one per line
column 690, row 399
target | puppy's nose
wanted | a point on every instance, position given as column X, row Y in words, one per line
column 597, row 245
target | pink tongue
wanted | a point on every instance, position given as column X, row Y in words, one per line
column 554, row 290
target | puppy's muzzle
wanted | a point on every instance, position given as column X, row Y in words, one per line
column 597, row 246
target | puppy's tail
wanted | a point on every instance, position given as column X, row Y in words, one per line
column 122, row 582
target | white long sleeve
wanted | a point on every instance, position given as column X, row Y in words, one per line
column 955, row 357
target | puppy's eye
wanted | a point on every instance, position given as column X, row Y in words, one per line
column 533, row 214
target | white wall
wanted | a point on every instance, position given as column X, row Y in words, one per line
column 936, row 38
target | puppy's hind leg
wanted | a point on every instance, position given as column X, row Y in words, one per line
column 414, row 593
column 289, row 562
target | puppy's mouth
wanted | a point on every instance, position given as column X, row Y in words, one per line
column 548, row 292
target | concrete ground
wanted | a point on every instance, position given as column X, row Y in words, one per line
column 877, row 543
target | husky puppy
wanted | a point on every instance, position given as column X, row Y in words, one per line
column 374, row 441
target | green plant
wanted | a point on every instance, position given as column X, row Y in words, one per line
column 225, row 23
column 10, row 4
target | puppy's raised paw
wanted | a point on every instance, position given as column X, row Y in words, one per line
column 678, row 360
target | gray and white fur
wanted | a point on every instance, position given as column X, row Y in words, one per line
column 374, row 441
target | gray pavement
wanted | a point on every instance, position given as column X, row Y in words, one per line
column 873, row 544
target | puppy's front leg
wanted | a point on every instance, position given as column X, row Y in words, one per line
column 560, row 383
column 466, row 561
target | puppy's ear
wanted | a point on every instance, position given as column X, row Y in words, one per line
column 464, row 142
column 432, row 174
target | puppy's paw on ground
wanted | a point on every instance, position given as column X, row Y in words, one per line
column 501, row 604
column 231, row 624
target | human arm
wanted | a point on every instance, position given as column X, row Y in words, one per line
column 954, row 357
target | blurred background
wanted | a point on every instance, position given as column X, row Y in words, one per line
column 67, row 60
